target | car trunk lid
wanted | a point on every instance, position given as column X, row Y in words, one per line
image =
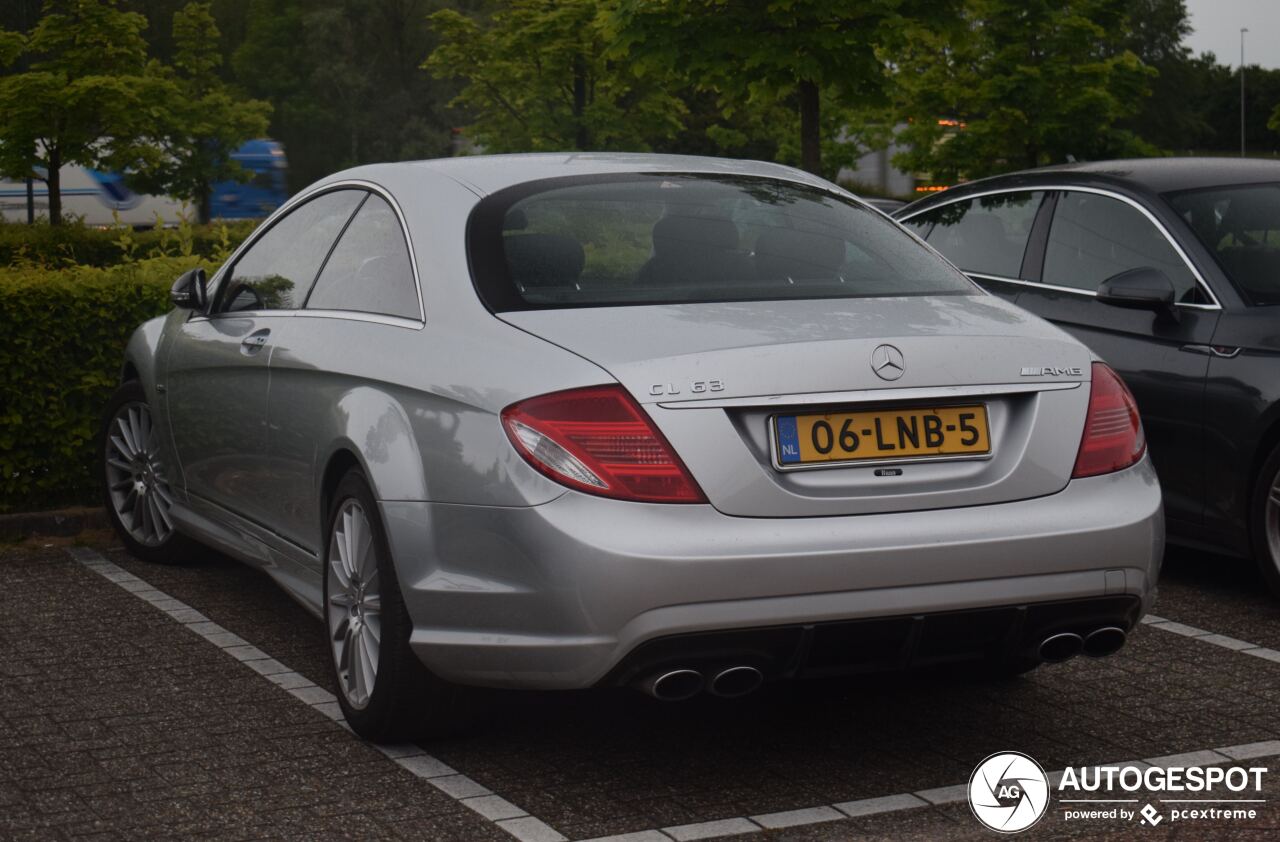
column 720, row 379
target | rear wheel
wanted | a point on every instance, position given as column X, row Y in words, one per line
column 385, row 692
column 138, row 499
column 1265, row 521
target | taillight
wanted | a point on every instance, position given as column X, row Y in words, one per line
column 599, row 440
column 1113, row 437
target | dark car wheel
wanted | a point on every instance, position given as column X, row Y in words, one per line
column 385, row 692
column 1265, row 521
column 136, row 481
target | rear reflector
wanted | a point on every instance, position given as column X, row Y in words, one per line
column 1113, row 437
column 600, row 441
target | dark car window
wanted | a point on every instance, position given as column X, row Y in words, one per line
column 277, row 271
column 674, row 238
column 986, row 235
column 1241, row 227
column 369, row 270
column 1094, row 237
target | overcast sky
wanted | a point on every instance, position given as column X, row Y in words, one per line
column 1217, row 24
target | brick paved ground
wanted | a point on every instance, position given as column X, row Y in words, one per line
column 112, row 713
column 116, row 723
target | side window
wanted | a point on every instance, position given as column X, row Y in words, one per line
column 277, row 271
column 986, row 235
column 1094, row 237
column 369, row 271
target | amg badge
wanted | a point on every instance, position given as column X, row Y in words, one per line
column 1051, row 371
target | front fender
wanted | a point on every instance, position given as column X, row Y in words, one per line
column 142, row 354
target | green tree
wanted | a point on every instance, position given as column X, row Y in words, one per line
column 537, row 76
column 1172, row 116
column 1023, row 83
column 794, row 54
column 343, row 77
column 83, row 86
column 198, row 123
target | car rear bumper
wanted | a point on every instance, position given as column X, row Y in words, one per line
column 559, row 595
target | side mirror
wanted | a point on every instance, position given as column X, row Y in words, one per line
column 190, row 291
column 1143, row 288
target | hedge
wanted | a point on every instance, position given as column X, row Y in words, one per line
column 73, row 244
column 64, row 333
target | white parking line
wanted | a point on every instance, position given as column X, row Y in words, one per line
column 915, row 800
column 411, row 758
column 1244, row 647
column 527, row 828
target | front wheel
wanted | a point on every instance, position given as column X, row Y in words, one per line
column 136, row 481
column 1265, row 521
column 385, row 692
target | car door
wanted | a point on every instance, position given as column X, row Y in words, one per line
column 1092, row 236
column 335, row 358
column 218, row 364
column 985, row 236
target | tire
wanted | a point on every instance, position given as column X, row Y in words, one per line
column 1264, row 521
column 385, row 692
column 135, row 481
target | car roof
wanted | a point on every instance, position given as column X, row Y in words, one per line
column 1165, row 175
column 487, row 174
column 1135, row 175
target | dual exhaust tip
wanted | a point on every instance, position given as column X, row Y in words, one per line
column 676, row 685
column 1096, row 644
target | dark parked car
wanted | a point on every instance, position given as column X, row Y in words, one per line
column 1170, row 270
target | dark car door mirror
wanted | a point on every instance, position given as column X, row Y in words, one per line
column 190, row 291
column 1144, row 288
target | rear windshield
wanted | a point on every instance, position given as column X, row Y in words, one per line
column 662, row 238
column 1241, row 227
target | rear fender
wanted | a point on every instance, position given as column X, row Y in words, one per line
column 373, row 426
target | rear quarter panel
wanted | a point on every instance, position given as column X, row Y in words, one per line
column 419, row 407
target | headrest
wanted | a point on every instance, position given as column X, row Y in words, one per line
column 680, row 234
column 1253, row 210
column 543, row 260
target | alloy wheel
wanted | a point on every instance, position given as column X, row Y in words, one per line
column 355, row 604
column 1273, row 520
column 136, row 483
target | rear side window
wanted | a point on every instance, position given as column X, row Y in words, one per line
column 1094, row 237
column 986, row 235
column 682, row 238
column 1240, row 225
column 369, row 270
column 277, row 271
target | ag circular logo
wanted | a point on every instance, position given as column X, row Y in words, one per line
column 1008, row 792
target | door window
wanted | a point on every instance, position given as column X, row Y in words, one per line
column 369, row 270
column 1094, row 237
column 986, row 235
column 278, row 269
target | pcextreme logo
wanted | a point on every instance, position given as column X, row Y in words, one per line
column 1009, row 792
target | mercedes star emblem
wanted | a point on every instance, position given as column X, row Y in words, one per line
column 887, row 362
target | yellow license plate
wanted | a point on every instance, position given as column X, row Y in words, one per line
column 881, row 435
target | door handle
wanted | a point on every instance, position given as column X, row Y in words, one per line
column 255, row 342
column 1224, row 352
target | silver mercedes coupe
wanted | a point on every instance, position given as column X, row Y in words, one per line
column 683, row 424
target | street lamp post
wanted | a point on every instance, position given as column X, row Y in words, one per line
column 1243, row 30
